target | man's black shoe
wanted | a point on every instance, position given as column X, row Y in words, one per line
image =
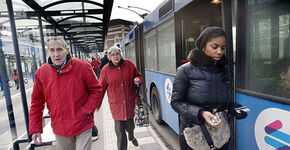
column 135, row 142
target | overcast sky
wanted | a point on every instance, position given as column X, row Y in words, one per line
column 118, row 13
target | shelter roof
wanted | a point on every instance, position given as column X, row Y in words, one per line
column 82, row 22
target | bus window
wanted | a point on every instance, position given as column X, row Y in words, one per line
column 166, row 47
column 267, row 52
column 194, row 19
column 130, row 52
column 150, row 50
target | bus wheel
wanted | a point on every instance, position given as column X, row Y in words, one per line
column 155, row 105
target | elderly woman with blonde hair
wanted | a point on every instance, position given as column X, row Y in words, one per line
column 120, row 78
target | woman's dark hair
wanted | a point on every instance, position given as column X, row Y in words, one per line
column 207, row 34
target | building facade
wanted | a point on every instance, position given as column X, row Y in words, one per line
column 117, row 30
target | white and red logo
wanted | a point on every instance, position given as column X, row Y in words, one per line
column 168, row 89
column 272, row 129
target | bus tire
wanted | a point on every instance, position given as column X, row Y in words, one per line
column 156, row 105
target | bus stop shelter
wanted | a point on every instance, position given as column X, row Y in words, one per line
column 82, row 23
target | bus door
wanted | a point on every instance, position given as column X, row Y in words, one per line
column 190, row 21
column 140, row 58
column 263, row 74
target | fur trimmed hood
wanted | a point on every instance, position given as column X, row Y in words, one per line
column 121, row 63
column 200, row 60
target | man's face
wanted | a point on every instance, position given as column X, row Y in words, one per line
column 57, row 52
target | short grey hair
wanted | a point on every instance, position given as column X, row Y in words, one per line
column 60, row 39
column 114, row 49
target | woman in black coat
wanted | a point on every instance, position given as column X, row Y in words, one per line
column 200, row 86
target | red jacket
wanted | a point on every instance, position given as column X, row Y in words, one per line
column 119, row 83
column 14, row 74
column 95, row 63
column 70, row 96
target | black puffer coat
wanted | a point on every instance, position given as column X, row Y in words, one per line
column 199, row 85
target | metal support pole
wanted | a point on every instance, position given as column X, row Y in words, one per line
column 42, row 38
column 54, row 29
column 4, row 82
column 9, row 64
column 71, row 50
column 18, row 63
column 227, row 26
column 76, row 54
column 79, row 53
column 83, row 8
column 33, row 66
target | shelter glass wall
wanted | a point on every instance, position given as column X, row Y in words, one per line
column 30, row 50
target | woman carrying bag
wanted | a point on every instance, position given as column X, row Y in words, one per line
column 120, row 79
column 200, row 86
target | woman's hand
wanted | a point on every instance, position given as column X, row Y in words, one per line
column 137, row 82
column 213, row 120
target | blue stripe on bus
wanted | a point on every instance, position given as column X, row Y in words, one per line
column 281, row 135
column 273, row 142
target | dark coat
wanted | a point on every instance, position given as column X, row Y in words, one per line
column 104, row 61
column 199, row 85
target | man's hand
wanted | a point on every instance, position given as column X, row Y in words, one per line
column 36, row 137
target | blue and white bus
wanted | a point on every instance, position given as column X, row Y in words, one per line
column 258, row 49
column 263, row 74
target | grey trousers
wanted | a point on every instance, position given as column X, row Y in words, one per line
column 82, row 141
column 120, row 128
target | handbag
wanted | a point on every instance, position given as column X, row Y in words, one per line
column 141, row 117
column 207, row 137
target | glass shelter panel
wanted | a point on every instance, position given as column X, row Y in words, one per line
column 166, row 47
column 30, row 50
column 268, row 59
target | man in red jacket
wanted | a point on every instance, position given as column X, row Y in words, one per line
column 120, row 77
column 71, row 92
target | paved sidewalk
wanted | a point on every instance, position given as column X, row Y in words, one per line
column 146, row 136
